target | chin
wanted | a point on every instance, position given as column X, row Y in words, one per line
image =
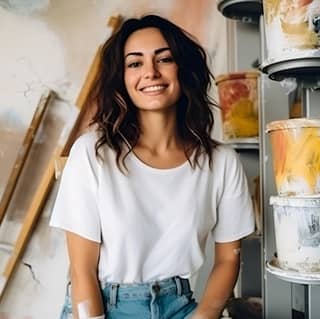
column 155, row 108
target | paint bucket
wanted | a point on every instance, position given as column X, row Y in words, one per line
column 297, row 233
column 295, row 148
column 292, row 29
column 238, row 95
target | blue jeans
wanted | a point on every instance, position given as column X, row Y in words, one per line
column 166, row 299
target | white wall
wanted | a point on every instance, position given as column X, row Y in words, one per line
column 50, row 44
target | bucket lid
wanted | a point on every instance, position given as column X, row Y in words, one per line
column 295, row 201
column 292, row 124
column 237, row 75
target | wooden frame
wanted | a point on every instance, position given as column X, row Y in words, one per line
column 23, row 152
column 47, row 180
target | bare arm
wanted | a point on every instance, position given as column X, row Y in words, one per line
column 84, row 256
column 221, row 281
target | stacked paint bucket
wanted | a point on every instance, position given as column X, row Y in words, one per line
column 292, row 29
column 295, row 147
column 293, row 36
column 239, row 96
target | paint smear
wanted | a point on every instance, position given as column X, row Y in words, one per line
column 297, row 234
column 296, row 160
column 291, row 27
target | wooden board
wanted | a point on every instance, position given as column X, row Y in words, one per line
column 23, row 152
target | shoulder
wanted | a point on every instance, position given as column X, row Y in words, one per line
column 85, row 141
column 224, row 153
column 83, row 150
column 85, row 144
column 226, row 161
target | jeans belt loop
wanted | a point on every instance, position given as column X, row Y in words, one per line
column 178, row 285
column 185, row 284
column 113, row 294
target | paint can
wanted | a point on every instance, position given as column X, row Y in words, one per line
column 295, row 148
column 297, row 233
column 238, row 96
column 292, row 29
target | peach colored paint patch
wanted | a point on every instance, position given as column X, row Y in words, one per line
column 195, row 19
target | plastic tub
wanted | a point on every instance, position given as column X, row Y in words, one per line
column 297, row 233
column 295, row 145
column 292, row 28
column 238, row 96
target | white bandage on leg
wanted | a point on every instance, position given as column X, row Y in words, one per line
column 83, row 311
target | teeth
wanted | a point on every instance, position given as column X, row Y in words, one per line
column 153, row 88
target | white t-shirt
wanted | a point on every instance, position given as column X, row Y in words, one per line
column 152, row 223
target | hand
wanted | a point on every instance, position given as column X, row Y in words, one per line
column 199, row 316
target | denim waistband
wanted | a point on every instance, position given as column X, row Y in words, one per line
column 171, row 286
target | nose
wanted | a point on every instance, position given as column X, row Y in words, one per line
column 151, row 70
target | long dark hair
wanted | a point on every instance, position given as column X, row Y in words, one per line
column 116, row 116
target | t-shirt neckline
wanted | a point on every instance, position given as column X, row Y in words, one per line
column 144, row 165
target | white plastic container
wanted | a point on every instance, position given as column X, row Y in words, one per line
column 295, row 145
column 292, row 29
column 297, row 233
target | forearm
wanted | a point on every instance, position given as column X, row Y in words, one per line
column 86, row 296
column 218, row 289
column 86, row 293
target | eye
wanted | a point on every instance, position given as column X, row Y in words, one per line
column 134, row 64
column 166, row 59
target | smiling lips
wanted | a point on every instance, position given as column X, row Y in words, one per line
column 153, row 88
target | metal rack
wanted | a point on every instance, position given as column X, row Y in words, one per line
column 286, row 294
column 241, row 9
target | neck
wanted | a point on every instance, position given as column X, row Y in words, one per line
column 158, row 132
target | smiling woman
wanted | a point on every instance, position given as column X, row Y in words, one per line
column 141, row 193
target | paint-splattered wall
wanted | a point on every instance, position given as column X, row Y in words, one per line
column 49, row 45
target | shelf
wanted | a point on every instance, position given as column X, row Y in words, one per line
column 302, row 68
column 244, row 143
column 292, row 276
column 244, row 10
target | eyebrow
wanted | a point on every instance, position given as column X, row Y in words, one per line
column 158, row 51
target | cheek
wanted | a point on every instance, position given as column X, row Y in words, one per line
column 130, row 82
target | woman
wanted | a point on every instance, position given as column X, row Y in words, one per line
column 141, row 193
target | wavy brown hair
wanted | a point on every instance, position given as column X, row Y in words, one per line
column 116, row 116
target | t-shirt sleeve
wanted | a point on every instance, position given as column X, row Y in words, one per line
column 235, row 216
column 76, row 208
